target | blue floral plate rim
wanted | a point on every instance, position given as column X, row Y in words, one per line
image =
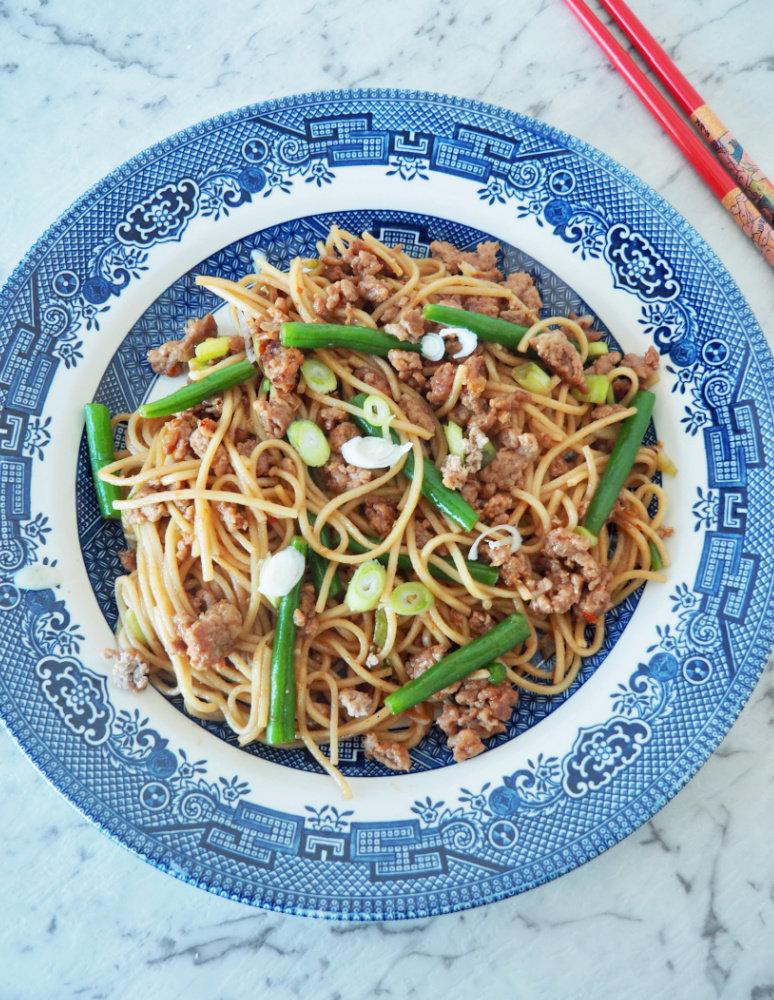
column 482, row 826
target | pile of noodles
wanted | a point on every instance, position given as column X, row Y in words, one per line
column 228, row 562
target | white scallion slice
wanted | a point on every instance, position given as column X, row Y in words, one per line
column 281, row 572
column 432, row 346
column 318, row 376
column 310, row 443
column 515, row 542
column 376, row 410
column 468, row 340
column 372, row 452
column 366, row 587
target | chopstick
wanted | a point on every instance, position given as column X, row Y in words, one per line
column 721, row 140
column 731, row 196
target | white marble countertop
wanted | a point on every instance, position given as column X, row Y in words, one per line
column 682, row 908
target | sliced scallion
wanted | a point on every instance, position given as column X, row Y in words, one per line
column 210, row 349
column 310, row 443
column 532, row 378
column 366, row 587
column 488, row 453
column 318, row 376
column 454, row 438
column 597, row 348
column 598, row 389
column 134, row 626
column 665, row 464
column 412, row 598
column 376, row 410
column 380, row 627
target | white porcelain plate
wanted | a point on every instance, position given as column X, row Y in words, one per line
column 573, row 775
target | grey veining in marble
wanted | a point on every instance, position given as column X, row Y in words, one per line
column 683, row 908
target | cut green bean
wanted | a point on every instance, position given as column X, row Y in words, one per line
column 452, row 668
column 497, row 672
column 319, row 564
column 497, row 331
column 448, row 502
column 312, row 336
column 196, row 392
column 656, row 562
column 99, row 438
column 621, row 461
column 281, row 727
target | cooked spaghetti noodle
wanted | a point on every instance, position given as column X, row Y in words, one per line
column 213, row 491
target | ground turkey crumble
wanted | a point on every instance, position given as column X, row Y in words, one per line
column 170, row 357
column 130, row 668
column 211, row 636
column 388, row 752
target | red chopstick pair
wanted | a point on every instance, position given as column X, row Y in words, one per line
column 747, row 184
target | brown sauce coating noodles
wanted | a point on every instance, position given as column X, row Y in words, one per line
column 203, row 523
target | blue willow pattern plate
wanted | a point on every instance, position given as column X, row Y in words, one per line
column 572, row 776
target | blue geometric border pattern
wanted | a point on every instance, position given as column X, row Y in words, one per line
column 518, row 829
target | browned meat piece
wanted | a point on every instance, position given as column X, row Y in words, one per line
column 410, row 326
column 473, row 381
column 176, row 436
column 507, row 468
column 280, row 364
column 480, row 622
column 130, row 668
column 340, row 477
column 423, row 531
column 643, row 368
column 169, row 358
column 183, row 548
column 128, row 559
column 572, row 571
column 380, row 514
column 497, row 508
column 342, row 433
column 469, row 492
column 330, row 416
column 200, row 442
column 464, row 745
column 483, row 263
column 269, row 460
column 420, row 662
column 454, row 473
column 480, row 707
column 235, row 518
column 604, row 364
column 561, row 357
column 487, row 305
column 373, row 290
column 153, row 511
column 358, row 259
column 515, row 569
column 247, row 446
column 417, row 412
column 212, row 407
column 440, row 385
column 275, row 415
column 524, row 313
column 664, row 532
column 562, row 464
column 408, row 365
column 586, row 323
column 357, row 704
column 306, row 618
column 388, row 752
column 372, row 378
column 331, row 298
column 211, row 636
